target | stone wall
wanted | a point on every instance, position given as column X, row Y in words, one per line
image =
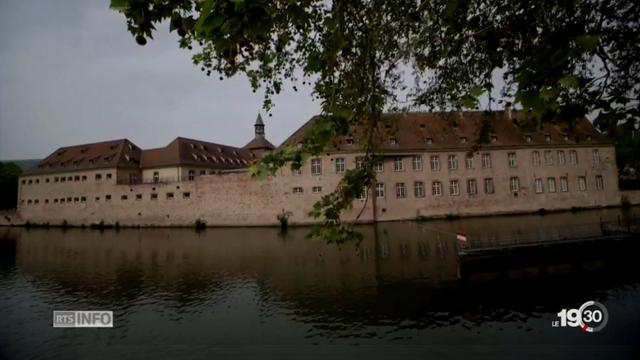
column 235, row 199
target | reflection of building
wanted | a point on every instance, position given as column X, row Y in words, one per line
column 432, row 166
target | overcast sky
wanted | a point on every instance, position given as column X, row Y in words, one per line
column 70, row 73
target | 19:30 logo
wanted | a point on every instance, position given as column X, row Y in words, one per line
column 591, row 317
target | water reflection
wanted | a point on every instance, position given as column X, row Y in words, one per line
column 171, row 287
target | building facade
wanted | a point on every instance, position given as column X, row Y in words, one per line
column 432, row 166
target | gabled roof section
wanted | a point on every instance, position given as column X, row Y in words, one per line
column 190, row 152
column 259, row 143
column 461, row 130
column 108, row 154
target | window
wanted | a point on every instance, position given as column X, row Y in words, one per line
column 70, row 178
column 452, row 161
column 339, row 165
column 379, row 166
column 547, row 138
column 296, row 172
column 379, row 190
column 599, row 182
column 538, row 184
column 393, row 141
column 107, row 197
column 76, row 178
column 298, row 190
column 418, row 189
column 316, row 189
column 494, row 139
column 486, row 161
column 37, row 181
column 436, row 188
column 528, row 138
column 363, row 194
column 596, row 156
column 398, row 164
column 97, row 198
column 203, row 172
column 55, row 179
column 514, row 184
column 55, row 201
column 186, row 195
column 98, row 177
column 69, row 199
column 156, row 177
column 488, row 186
column 401, row 191
column 564, row 184
column 562, row 159
column 417, row 163
column 472, row 187
column 84, row 177
column 573, row 157
column 350, row 141
column 548, row 157
column 469, row 161
column 551, row 185
column 123, row 197
column 63, row 179
column 154, row 196
column 192, row 175
column 108, row 176
column 316, row 167
column 47, row 179
column 582, row 183
column 429, row 141
column 454, row 188
column 83, row 199
column 169, row 196
column 463, row 140
column 36, row 201
column 359, row 163
column 62, row 201
column 30, row 181
column 535, row 158
column 435, row 163
column 511, row 159
column 24, row 182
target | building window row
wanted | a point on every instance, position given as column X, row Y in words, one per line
column 564, row 184
column 61, row 179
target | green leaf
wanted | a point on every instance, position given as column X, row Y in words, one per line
column 476, row 91
column 119, row 5
column 569, row 81
column 588, row 42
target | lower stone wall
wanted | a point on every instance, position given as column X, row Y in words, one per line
column 238, row 200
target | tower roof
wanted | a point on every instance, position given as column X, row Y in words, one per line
column 259, row 120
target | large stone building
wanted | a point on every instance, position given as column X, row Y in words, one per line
column 432, row 167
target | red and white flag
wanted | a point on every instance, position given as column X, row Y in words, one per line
column 462, row 238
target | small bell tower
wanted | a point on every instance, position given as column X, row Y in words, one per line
column 259, row 126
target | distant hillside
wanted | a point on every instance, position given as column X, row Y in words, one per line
column 24, row 164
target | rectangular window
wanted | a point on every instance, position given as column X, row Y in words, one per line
column 401, row 191
column 83, row 199
column 435, row 163
column 418, row 189
column 69, row 199
column 548, row 157
column 84, row 177
column 469, row 161
column 192, row 175
column 596, row 156
column 339, row 165
column 123, row 197
column 599, row 182
column 55, row 179
column 156, row 177
column 573, row 157
column 472, row 187
column 169, row 196
column 138, row 196
column 107, row 197
column 316, row 167
column 63, row 179
column 55, row 201
column 551, row 185
column 296, row 172
column 582, row 183
column 454, row 187
column 417, row 163
column 514, row 184
column 436, row 188
column 538, row 184
column 97, row 198
column 562, row 159
column 564, row 184
column 486, row 161
column 316, row 189
column 47, row 179
column 203, row 172
column 511, row 159
column 452, row 161
column 379, row 166
column 154, row 196
column 363, row 194
column 398, row 164
column 379, row 190
column 359, row 163
column 76, row 178
column 98, row 177
column 186, row 195
column 298, row 190
column 488, row 186
column 108, row 176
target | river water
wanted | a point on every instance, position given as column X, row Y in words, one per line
column 256, row 293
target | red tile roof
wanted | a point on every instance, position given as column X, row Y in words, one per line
column 108, row 154
column 461, row 130
column 191, row 152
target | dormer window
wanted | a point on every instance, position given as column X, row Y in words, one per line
column 192, row 146
column 219, row 149
column 194, row 156
column 130, row 147
column 463, row 140
column 235, row 153
column 547, row 138
column 126, row 157
column 202, row 147
column 566, row 137
column 393, row 141
column 494, row 139
column 350, row 141
column 429, row 141
column 422, row 126
column 588, row 137
column 299, row 145
column 528, row 138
